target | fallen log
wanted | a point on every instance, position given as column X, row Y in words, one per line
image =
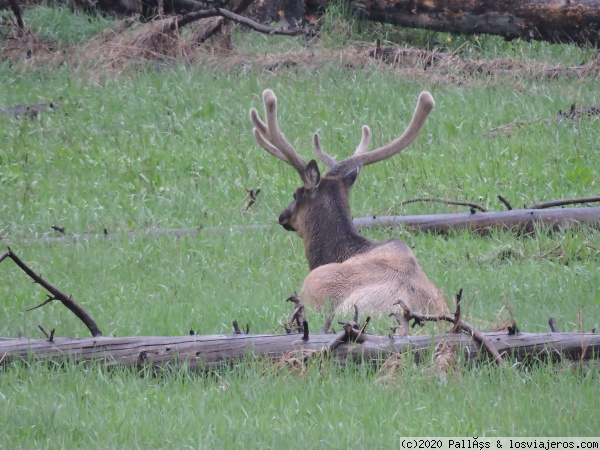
column 556, row 21
column 522, row 219
column 212, row 351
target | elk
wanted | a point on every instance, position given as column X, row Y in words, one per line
column 347, row 269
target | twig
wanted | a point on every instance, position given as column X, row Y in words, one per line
column 297, row 315
column 505, row 202
column 58, row 295
column 48, row 300
column 364, row 326
column 61, row 230
column 455, row 328
column 572, row 201
column 44, row 331
column 305, row 330
column 462, row 325
column 236, row 327
column 328, row 322
column 3, row 256
column 445, row 201
column 404, row 321
column 552, row 324
column 252, row 193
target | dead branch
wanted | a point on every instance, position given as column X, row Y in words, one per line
column 455, row 328
column 572, row 201
column 505, row 202
column 58, row 295
column 328, row 322
column 444, row 201
column 252, row 195
column 297, row 318
column 221, row 12
column 420, row 319
column 552, row 323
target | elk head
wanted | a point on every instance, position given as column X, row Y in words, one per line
column 320, row 211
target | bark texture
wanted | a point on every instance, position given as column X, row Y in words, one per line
column 521, row 219
column 547, row 20
column 211, row 351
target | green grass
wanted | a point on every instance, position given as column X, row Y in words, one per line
column 173, row 148
column 61, row 24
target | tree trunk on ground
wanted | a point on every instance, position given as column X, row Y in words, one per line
column 211, row 351
column 521, row 219
column 546, row 20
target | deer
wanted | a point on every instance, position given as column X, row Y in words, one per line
column 347, row 269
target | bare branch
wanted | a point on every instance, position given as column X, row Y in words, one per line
column 505, row 202
column 461, row 324
column 328, row 322
column 48, row 300
column 221, row 12
column 445, row 201
column 572, row 201
column 58, row 295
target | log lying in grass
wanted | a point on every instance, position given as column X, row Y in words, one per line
column 211, row 351
column 555, row 21
column 522, row 219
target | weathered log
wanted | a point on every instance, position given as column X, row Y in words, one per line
column 575, row 21
column 521, row 219
column 212, row 351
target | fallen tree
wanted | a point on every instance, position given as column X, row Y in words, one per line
column 520, row 219
column 212, row 351
column 556, row 21
column 352, row 343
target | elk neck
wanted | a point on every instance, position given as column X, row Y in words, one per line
column 330, row 235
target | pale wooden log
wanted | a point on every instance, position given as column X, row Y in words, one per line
column 522, row 219
column 211, row 351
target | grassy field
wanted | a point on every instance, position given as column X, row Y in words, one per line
column 171, row 146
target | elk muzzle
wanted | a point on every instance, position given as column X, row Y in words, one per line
column 284, row 219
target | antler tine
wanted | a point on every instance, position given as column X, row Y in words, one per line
column 275, row 136
column 424, row 107
column 324, row 157
column 328, row 160
column 364, row 141
column 262, row 141
column 362, row 158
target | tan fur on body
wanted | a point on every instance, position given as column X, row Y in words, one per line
column 374, row 281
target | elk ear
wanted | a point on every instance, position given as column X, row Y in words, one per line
column 350, row 177
column 312, row 176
